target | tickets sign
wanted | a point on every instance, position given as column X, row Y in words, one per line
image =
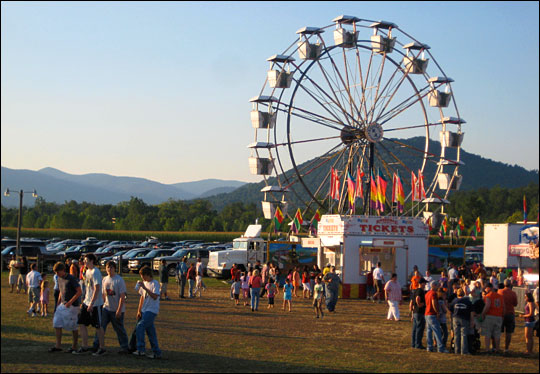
column 372, row 226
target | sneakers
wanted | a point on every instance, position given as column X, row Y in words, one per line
column 81, row 351
column 99, row 352
column 153, row 356
column 138, row 353
column 70, row 350
column 30, row 311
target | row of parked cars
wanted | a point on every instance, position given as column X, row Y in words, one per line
column 132, row 255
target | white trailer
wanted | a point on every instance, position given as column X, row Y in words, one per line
column 506, row 245
column 354, row 244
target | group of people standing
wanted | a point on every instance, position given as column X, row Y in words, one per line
column 28, row 280
column 473, row 304
column 260, row 280
column 97, row 301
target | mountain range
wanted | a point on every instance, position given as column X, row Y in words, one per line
column 57, row 186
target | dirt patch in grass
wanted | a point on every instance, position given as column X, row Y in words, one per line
column 210, row 334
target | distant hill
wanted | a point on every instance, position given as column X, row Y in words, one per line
column 57, row 186
column 477, row 172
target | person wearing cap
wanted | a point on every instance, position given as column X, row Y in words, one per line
column 432, row 323
column 417, row 306
column 492, row 317
column 509, row 318
column 462, row 321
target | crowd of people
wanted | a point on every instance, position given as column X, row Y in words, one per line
column 259, row 280
column 464, row 303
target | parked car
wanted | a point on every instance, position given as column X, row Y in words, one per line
column 129, row 255
column 137, row 263
column 111, row 250
column 8, row 242
column 113, row 257
column 78, row 251
column 192, row 255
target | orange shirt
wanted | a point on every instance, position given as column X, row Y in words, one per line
column 415, row 282
column 496, row 307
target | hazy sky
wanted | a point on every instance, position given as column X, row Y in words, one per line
column 161, row 90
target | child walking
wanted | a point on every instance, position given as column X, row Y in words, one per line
column 296, row 281
column 235, row 289
column 318, row 294
column 287, row 293
column 44, row 299
column 244, row 279
column 306, row 287
column 272, row 292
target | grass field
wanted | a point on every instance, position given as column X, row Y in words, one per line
column 210, row 334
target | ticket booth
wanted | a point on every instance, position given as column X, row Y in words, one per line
column 354, row 244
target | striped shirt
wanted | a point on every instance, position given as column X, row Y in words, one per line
column 393, row 290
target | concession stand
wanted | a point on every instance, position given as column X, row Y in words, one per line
column 354, row 244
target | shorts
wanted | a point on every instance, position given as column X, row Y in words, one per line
column 163, row 287
column 492, row 326
column 13, row 279
column 529, row 324
column 379, row 286
column 236, row 296
column 271, row 300
column 306, row 286
column 508, row 324
column 287, row 297
column 317, row 303
column 33, row 295
column 245, row 291
column 90, row 319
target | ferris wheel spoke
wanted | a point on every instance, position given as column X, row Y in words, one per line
column 310, row 116
column 352, row 104
column 412, row 127
column 394, row 90
column 340, row 77
column 402, row 107
column 378, row 85
column 337, row 102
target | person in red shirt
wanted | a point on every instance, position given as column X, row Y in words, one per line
column 492, row 315
column 415, row 280
column 191, row 275
column 432, row 322
column 509, row 319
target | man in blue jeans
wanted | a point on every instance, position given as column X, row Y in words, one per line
column 147, row 312
column 418, row 308
column 432, row 323
column 114, row 289
column 181, row 274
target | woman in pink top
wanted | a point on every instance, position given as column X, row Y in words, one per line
column 255, row 283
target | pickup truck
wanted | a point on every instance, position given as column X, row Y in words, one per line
column 34, row 253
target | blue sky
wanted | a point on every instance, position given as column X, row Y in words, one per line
column 161, row 90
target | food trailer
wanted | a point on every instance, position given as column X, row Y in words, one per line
column 354, row 244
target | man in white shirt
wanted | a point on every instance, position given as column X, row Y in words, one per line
column 147, row 312
column 114, row 307
column 378, row 278
column 91, row 308
column 428, row 279
column 33, row 283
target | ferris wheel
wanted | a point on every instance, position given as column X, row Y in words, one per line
column 348, row 113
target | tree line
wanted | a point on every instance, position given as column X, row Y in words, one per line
column 494, row 205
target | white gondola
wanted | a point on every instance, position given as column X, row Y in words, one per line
column 269, row 205
column 280, row 78
column 306, row 50
column 451, row 139
column 413, row 64
column 343, row 37
column 438, row 98
column 381, row 43
column 263, row 119
column 260, row 166
column 436, row 218
column 446, row 182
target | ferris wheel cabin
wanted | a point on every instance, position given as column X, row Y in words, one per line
column 281, row 78
column 381, row 43
column 307, row 50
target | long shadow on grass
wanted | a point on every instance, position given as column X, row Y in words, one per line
column 172, row 361
column 18, row 329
